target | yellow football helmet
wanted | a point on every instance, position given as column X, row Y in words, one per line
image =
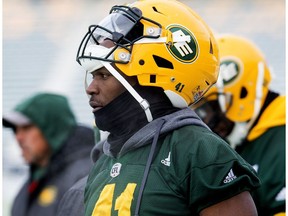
column 232, row 105
column 162, row 42
column 243, row 80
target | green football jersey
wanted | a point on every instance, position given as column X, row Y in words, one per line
column 267, row 155
column 192, row 169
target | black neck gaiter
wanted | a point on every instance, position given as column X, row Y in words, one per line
column 124, row 116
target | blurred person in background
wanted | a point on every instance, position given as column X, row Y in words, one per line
column 146, row 63
column 55, row 147
column 242, row 109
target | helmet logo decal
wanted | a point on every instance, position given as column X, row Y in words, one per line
column 197, row 93
column 185, row 51
column 230, row 70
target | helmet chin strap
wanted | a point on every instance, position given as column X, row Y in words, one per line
column 143, row 103
column 241, row 129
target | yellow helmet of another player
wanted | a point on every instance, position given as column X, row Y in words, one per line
column 243, row 80
column 162, row 42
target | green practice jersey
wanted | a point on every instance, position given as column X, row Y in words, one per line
column 192, row 169
column 267, row 155
column 264, row 149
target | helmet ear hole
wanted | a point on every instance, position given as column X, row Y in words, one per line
column 243, row 92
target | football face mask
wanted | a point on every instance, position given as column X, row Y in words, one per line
column 122, row 27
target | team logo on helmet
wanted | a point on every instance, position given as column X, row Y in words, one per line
column 185, row 51
column 230, row 70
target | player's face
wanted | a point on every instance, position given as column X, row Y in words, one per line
column 34, row 147
column 104, row 87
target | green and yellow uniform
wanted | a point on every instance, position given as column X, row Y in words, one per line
column 192, row 169
column 265, row 151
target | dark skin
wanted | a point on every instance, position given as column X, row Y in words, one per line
column 239, row 205
column 104, row 88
